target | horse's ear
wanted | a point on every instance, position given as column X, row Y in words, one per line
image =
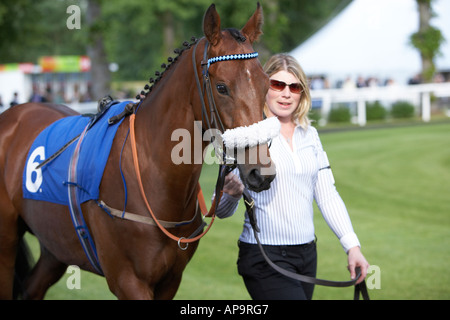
column 211, row 25
column 253, row 27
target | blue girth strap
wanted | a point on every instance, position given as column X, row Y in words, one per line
column 75, row 209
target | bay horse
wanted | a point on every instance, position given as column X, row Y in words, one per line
column 138, row 260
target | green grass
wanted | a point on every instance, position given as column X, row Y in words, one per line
column 396, row 185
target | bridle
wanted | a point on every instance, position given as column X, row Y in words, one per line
column 215, row 121
column 233, row 139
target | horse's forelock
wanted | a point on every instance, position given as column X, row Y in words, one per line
column 236, row 34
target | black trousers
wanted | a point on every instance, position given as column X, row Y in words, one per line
column 264, row 283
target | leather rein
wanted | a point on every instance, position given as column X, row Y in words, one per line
column 360, row 288
column 200, row 197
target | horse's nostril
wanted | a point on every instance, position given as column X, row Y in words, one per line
column 258, row 182
column 255, row 176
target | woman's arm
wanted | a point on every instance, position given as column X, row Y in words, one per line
column 330, row 202
column 336, row 215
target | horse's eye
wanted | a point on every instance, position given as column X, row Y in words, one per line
column 222, row 89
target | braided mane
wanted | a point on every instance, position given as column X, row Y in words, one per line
column 153, row 81
column 186, row 45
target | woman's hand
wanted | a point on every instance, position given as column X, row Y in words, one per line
column 233, row 185
column 356, row 259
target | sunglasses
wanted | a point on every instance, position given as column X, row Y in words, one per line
column 280, row 85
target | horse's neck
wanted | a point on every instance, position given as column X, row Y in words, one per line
column 164, row 113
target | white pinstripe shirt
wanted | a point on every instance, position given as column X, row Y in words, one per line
column 285, row 211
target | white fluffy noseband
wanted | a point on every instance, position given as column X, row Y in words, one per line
column 253, row 135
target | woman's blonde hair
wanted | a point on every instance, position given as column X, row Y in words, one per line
column 280, row 62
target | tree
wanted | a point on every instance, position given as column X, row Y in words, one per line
column 30, row 29
column 100, row 74
column 168, row 12
column 427, row 40
column 140, row 35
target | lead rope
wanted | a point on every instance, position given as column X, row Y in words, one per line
column 359, row 288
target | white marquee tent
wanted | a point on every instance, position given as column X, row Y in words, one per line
column 371, row 38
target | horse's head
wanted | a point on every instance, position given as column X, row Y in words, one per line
column 236, row 87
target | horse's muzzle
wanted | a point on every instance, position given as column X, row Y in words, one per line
column 257, row 177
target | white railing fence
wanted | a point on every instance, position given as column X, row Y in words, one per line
column 418, row 95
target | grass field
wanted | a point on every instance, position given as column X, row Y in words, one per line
column 396, row 185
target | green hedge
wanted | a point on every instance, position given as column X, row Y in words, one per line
column 402, row 109
column 375, row 111
column 339, row 114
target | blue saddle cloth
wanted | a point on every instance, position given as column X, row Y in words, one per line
column 49, row 183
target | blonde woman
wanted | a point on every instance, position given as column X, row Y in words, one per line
column 285, row 211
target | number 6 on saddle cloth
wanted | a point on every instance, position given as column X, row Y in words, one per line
column 49, row 181
column 74, row 175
